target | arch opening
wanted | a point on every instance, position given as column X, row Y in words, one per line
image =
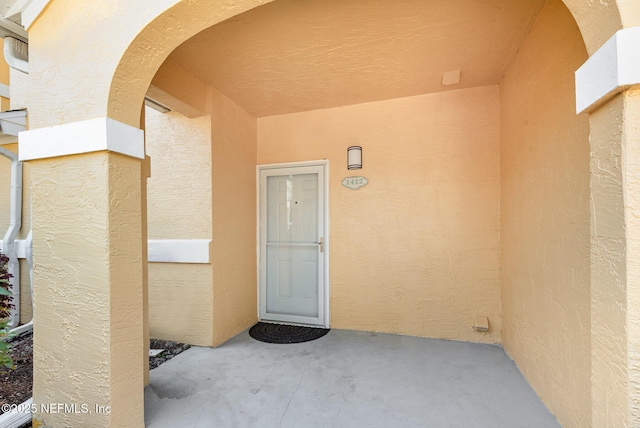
column 268, row 95
column 484, row 179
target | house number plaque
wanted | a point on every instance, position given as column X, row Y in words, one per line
column 354, row 183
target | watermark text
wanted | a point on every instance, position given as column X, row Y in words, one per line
column 50, row 408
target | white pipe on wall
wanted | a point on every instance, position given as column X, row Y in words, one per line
column 15, row 222
column 16, row 54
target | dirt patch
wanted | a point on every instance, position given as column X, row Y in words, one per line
column 16, row 385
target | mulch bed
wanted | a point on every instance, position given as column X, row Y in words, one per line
column 16, row 385
column 171, row 349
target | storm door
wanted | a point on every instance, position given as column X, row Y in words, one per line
column 292, row 245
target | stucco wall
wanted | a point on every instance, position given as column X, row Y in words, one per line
column 179, row 193
column 179, row 207
column 416, row 251
column 545, row 218
column 234, row 139
column 19, row 89
column 202, row 186
column 631, row 189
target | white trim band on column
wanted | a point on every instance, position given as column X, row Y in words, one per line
column 179, row 250
column 612, row 69
column 94, row 135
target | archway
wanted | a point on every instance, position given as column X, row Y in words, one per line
column 133, row 72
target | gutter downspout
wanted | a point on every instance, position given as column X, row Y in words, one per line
column 16, row 54
column 15, row 222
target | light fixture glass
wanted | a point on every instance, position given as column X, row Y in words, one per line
column 150, row 102
column 354, row 157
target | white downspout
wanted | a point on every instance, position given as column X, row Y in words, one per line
column 15, row 222
column 16, row 54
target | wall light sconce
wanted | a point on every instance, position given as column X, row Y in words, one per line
column 354, row 157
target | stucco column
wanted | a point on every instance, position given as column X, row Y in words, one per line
column 631, row 142
column 88, row 285
column 608, row 88
column 615, row 261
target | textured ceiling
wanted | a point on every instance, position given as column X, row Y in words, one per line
column 298, row 55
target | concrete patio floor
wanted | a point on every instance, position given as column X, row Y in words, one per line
column 344, row 379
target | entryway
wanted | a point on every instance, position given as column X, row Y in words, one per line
column 293, row 230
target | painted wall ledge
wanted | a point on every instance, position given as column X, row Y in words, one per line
column 611, row 70
column 179, row 250
column 160, row 250
column 87, row 136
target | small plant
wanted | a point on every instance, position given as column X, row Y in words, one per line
column 5, row 310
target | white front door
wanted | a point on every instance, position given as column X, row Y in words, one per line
column 293, row 244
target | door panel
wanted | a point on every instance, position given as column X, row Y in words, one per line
column 292, row 280
column 292, row 284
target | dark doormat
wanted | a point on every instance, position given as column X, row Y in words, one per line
column 280, row 333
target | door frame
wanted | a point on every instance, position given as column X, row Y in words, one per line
column 327, row 242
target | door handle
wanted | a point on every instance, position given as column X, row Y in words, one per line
column 321, row 244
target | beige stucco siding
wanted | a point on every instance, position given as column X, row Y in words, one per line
column 234, row 139
column 630, row 12
column 179, row 191
column 631, row 132
column 73, row 296
column 179, row 207
column 416, row 250
column 180, row 302
column 545, row 218
column 202, row 186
